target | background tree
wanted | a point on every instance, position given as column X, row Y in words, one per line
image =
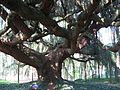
column 29, row 21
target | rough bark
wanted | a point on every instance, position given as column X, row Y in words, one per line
column 49, row 65
column 36, row 15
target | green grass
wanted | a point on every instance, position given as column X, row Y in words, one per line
column 78, row 85
column 4, row 82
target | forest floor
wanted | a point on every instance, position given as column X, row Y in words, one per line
column 65, row 86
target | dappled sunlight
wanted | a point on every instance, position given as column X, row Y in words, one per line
column 53, row 67
column 51, row 86
column 56, row 64
column 63, row 44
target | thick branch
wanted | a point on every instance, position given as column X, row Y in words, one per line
column 17, row 25
column 30, row 13
column 19, row 55
column 83, row 19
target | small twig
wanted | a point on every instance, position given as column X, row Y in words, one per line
column 36, row 37
column 68, row 15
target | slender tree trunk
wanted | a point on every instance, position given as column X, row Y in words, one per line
column 110, row 68
column 98, row 69
column 101, row 71
column 116, row 74
column 18, row 72
column 85, row 70
column 73, row 69
column 79, row 70
column 95, row 66
column 107, row 71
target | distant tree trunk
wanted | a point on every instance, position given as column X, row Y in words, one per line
column 18, row 72
column 98, row 69
column 102, row 70
column 65, row 73
column 95, row 66
column 117, row 56
column 107, row 71
column 73, row 69
column 110, row 71
column 85, row 71
column 32, row 74
column 80, row 70
column 91, row 69
column 116, row 74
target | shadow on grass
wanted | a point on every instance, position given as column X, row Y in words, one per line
column 65, row 85
column 88, row 85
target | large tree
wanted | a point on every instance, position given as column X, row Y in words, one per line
column 24, row 20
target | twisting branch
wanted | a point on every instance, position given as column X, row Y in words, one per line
column 30, row 13
column 17, row 25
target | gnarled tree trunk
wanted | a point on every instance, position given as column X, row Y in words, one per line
column 48, row 65
column 50, row 71
column 77, row 35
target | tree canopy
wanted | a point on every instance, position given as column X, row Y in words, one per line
column 29, row 21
